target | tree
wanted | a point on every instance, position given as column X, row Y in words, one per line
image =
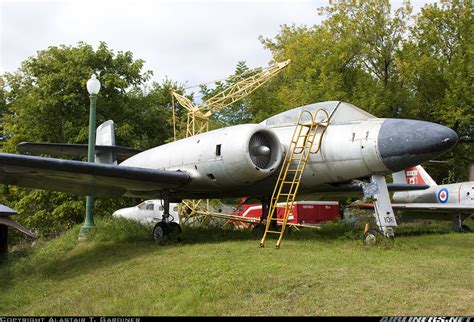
column 47, row 101
column 351, row 56
column 238, row 112
column 49, row 90
column 3, row 106
column 147, row 120
column 438, row 69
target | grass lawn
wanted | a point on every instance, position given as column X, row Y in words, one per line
column 223, row 272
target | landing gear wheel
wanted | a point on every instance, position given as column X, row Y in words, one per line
column 370, row 237
column 160, row 231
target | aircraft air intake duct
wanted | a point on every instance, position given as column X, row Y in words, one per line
column 248, row 153
column 260, row 150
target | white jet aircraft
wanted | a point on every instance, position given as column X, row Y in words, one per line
column 448, row 201
column 244, row 160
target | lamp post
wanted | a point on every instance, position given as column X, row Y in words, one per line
column 93, row 87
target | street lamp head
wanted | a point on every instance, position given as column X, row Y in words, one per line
column 93, row 85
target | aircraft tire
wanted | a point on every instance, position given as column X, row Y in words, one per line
column 371, row 237
column 160, row 231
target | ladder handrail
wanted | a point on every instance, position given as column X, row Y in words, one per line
column 305, row 149
column 325, row 126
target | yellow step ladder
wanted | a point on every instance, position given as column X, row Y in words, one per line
column 295, row 161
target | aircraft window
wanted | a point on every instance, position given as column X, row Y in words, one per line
column 175, row 208
column 345, row 112
column 291, row 116
column 218, row 150
column 149, row 206
column 141, row 206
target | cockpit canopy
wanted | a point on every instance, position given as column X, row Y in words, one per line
column 339, row 112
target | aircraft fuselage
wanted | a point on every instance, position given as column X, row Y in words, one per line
column 245, row 159
column 455, row 193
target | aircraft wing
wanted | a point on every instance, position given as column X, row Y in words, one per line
column 451, row 208
column 86, row 178
column 431, row 207
column 392, row 187
column 79, row 150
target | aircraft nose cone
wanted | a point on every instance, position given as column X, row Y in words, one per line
column 407, row 143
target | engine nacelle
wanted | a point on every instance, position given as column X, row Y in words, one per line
column 236, row 155
column 241, row 154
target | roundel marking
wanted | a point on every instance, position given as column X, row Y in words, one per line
column 443, row 195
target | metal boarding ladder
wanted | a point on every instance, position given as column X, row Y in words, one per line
column 295, row 160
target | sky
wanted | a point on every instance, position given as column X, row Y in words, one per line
column 187, row 41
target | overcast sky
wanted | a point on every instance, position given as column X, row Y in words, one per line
column 188, row 41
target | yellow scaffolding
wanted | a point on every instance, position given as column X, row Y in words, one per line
column 289, row 179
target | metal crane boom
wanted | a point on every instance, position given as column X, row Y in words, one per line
column 240, row 89
column 198, row 115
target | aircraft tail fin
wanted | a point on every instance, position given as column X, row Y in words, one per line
column 105, row 136
column 413, row 175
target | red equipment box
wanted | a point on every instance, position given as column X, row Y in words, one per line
column 303, row 212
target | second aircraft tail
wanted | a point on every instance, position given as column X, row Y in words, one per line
column 414, row 175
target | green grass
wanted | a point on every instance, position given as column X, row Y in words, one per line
column 426, row 271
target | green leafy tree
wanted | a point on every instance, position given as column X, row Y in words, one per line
column 49, row 90
column 3, row 106
column 147, row 120
column 351, row 56
column 46, row 101
column 438, row 69
column 238, row 112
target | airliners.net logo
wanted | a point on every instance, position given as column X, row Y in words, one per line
column 427, row 319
